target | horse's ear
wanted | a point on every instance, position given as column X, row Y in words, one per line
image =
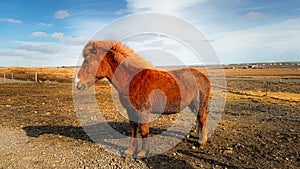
column 110, row 54
column 94, row 48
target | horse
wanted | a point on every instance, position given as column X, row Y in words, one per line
column 143, row 89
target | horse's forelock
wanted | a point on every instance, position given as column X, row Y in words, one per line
column 118, row 50
column 92, row 47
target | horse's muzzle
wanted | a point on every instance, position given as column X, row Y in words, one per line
column 81, row 87
column 78, row 85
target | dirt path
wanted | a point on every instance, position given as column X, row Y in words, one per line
column 39, row 129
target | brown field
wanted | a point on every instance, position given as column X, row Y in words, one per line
column 286, row 73
column 67, row 74
column 39, row 127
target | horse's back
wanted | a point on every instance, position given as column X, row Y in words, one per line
column 192, row 78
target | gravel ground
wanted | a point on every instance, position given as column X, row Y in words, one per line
column 39, row 129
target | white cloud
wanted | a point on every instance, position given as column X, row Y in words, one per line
column 14, row 52
column 22, row 57
column 38, row 34
column 44, row 48
column 278, row 41
column 61, row 14
column 10, row 20
column 57, row 35
column 255, row 15
column 44, row 24
column 66, row 40
column 31, row 53
column 87, row 26
column 161, row 6
column 233, row 41
column 162, row 50
column 121, row 11
column 69, row 40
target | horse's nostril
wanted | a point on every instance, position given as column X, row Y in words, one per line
column 82, row 87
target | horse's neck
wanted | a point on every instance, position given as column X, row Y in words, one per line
column 122, row 76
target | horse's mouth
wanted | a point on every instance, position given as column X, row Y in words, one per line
column 82, row 87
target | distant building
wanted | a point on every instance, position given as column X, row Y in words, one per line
column 254, row 66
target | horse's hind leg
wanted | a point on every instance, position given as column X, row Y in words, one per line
column 202, row 124
column 144, row 128
column 201, row 118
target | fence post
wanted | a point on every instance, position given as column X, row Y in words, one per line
column 266, row 88
column 12, row 76
column 35, row 77
column 4, row 79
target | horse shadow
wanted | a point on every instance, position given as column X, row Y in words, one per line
column 81, row 132
column 67, row 131
column 78, row 132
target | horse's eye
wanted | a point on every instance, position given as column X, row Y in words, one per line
column 86, row 62
column 94, row 49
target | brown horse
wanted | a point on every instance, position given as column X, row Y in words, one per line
column 143, row 89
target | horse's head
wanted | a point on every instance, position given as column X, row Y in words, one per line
column 95, row 65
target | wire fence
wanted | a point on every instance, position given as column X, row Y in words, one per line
column 243, row 84
column 34, row 77
column 263, row 86
column 19, row 77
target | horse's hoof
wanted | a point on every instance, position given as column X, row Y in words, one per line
column 142, row 154
column 202, row 145
column 129, row 152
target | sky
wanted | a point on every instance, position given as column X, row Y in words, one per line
column 53, row 32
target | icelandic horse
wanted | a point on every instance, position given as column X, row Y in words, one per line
column 135, row 80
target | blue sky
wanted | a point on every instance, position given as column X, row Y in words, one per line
column 53, row 32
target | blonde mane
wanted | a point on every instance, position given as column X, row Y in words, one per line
column 122, row 54
column 128, row 58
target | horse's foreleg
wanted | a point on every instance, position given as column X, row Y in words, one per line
column 144, row 128
column 133, row 143
column 133, row 120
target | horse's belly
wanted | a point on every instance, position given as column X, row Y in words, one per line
column 164, row 106
column 157, row 91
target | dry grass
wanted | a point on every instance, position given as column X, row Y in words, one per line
column 276, row 98
column 255, row 131
column 289, row 73
column 68, row 73
column 28, row 74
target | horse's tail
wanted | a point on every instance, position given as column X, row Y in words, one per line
column 204, row 92
column 204, row 89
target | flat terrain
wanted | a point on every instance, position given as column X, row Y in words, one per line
column 67, row 74
column 39, row 127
